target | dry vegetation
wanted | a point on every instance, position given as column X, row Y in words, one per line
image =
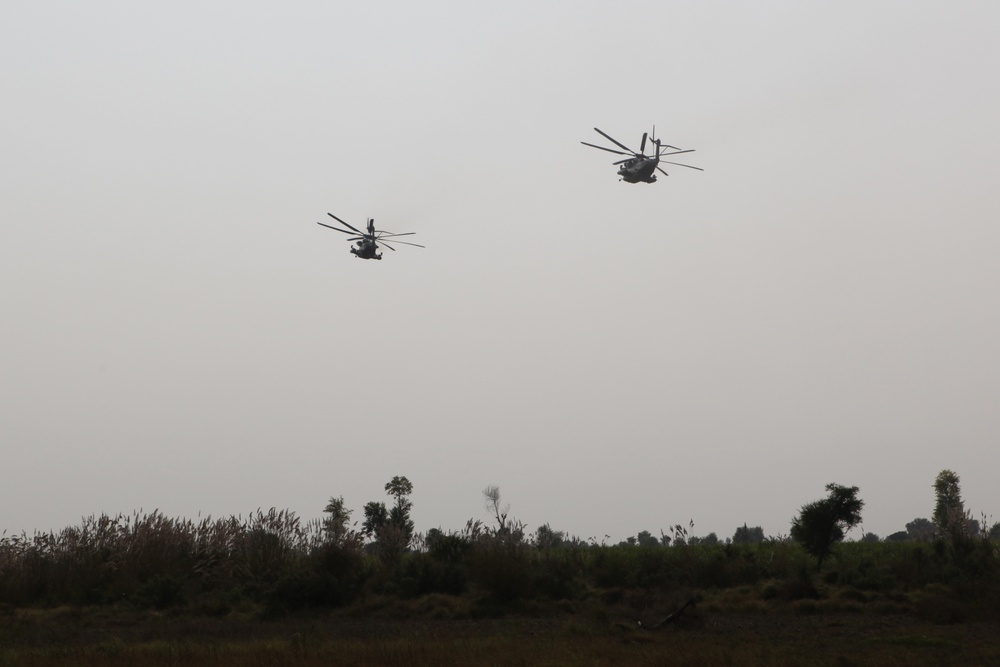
column 267, row 589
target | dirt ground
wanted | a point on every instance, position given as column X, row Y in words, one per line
column 697, row 637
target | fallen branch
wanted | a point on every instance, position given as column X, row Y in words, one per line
column 669, row 619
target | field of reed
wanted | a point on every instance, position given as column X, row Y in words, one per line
column 270, row 589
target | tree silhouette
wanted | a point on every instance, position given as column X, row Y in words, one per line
column 337, row 524
column 376, row 517
column 744, row 535
column 391, row 529
column 646, row 539
column 547, row 538
column 920, row 530
column 822, row 523
column 491, row 498
column 399, row 516
column 949, row 510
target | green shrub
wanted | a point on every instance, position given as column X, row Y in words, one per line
column 559, row 574
column 502, row 571
column 161, row 592
column 421, row 574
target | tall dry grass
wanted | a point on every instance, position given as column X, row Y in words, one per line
column 107, row 558
column 281, row 564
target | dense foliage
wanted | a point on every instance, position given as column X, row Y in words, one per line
column 823, row 523
column 274, row 562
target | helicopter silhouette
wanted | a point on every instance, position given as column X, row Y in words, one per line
column 640, row 167
column 368, row 244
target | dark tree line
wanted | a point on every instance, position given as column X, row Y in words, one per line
column 282, row 564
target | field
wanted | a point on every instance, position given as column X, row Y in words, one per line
column 155, row 591
column 402, row 636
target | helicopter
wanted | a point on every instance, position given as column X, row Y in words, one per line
column 368, row 244
column 639, row 167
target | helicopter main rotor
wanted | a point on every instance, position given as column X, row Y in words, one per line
column 640, row 154
column 628, row 151
column 374, row 236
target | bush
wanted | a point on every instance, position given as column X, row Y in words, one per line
column 559, row 574
column 420, row 574
column 502, row 570
column 333, row 576
column 161, row 592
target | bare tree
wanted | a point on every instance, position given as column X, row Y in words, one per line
column 491, row 498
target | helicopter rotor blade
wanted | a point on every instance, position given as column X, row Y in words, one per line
column 338, row 228
column 642, row 146
column 417, row 245
column 610, row 150
column 662, row 172
column 678, row 152
column 616, row 142
column 347, row 224
column 682, row 165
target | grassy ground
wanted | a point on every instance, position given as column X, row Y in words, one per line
column 441, row 631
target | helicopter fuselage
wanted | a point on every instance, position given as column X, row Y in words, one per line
column 639, row 170
column 366, row 249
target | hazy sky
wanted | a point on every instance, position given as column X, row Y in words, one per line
column 819, row 305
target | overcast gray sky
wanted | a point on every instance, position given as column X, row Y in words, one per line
column 819, row 305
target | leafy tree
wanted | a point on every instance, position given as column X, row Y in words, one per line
column 449, row 547
column 399, row 488
column 376, row 517
column 821, row 523
column 870, row 537
column 391, row 529
column 399, row 516
column 546, row 538
column 746, row 535
column 898, row 536
column 994, row 533
column 646, row 539
column 949, row 509
column 920, row 530
column 337, row 523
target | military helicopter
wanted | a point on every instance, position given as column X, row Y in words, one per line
column 368, row 244
column 640, row 167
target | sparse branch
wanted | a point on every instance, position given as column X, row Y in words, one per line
column 491, row 498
